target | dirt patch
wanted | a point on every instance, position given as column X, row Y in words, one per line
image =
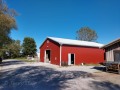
column 105, row 76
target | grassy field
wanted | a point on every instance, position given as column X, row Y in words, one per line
column 24, row 59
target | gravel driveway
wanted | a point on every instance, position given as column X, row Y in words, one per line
column 17, row 75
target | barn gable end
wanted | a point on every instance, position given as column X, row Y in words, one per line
column 54, row 51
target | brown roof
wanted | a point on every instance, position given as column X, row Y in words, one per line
column 111, row 43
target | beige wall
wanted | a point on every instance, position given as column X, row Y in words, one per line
column 110, row 51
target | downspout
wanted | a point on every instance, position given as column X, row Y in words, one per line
column 60, row 53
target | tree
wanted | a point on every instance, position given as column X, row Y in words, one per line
column 14, row 49
column 29, row 46
column 7, row 22
column 86, row 34
column 11, row 50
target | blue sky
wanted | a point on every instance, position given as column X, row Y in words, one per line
column 61, row 18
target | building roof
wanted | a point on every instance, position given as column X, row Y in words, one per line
column 111, row 43
column 63, row 41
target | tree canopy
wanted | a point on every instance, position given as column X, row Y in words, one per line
column 29, row 46
column 11, row 50
column 7, row 22
column 86, row 34
column 14, row 49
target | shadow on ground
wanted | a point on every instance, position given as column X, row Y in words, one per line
column 100, row 68
column 44, row 78
column 11, row 62
column 103, row 69
column 37, row 78
column 104, row 86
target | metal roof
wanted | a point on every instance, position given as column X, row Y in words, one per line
column 111, row 43
column 63, row 41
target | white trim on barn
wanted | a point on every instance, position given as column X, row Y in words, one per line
column 60, row 54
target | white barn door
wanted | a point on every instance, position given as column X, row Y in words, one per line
column 45, row 56
column 69, row 59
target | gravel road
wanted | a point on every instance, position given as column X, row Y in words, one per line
column 18, row 75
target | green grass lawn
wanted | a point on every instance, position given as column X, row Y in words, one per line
column 24, row 59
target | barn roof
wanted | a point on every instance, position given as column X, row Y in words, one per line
column 111, row 43
column 75, row 42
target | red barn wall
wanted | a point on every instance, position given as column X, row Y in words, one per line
column 55, row 51
column 83, row 54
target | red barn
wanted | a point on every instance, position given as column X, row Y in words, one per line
column 61, row 51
